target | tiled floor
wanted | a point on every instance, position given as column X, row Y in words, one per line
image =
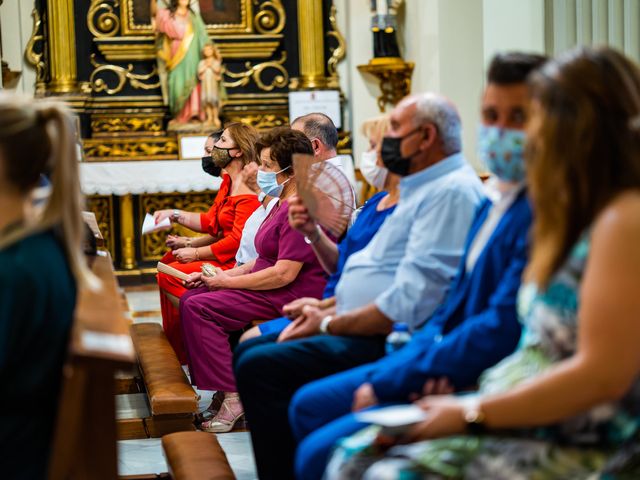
column 145, row 455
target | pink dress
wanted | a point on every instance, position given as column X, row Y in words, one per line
column 209, row 317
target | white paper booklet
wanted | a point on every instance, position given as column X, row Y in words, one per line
column 149, row 224
column 394, row 416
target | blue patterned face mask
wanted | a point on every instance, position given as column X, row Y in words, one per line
column 502, row 151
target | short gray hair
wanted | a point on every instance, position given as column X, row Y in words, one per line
column 436, row 109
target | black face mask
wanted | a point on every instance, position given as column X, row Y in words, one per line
column 391, row 156
column 211, row 168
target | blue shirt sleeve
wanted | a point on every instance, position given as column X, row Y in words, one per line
column 462, row 354
column 433, row 252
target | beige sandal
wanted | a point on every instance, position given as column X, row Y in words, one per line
column 225, row 419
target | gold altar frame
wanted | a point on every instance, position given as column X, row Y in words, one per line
column 131, row 28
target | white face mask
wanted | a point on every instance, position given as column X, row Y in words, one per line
column 371, row 171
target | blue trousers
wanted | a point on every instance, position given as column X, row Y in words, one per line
column 268, row 374
column 320, row 414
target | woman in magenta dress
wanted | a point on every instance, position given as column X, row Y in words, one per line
column 286, row 269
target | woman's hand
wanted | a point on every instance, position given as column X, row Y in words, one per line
column 445, row 417
column 299, row 217
column 217, row 282
column 194, row 280
column 249, row 176
column 306, row 325
column 175, row 242
column 364, row 397
column 185, row 255
column 294, row 309
column 160, row 215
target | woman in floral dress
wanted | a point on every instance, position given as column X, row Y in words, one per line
column 566, row 404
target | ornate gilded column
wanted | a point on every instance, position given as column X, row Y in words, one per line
column 62, row 46
column 311, row 45
column 127, row 234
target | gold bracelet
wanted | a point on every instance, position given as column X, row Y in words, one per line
column 197, row 254
column 188, row 242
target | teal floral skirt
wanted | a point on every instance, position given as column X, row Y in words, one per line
column 473, row 457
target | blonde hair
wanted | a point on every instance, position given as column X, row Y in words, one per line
column 37, row 136
column 375, row 128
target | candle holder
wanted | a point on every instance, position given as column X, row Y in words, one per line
column 394, row 77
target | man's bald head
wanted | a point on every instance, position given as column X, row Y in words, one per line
column 440, row 111
column 319, row 128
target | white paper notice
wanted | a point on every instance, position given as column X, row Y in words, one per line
column 149, row 224
column 395, row 416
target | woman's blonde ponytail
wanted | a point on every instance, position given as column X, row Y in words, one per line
column 64, row 207
column 45, row 130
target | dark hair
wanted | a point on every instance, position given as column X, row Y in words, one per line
column 513, row 67
column 215, row 135
column 583, row 147
column 320, row 126
column 284, row 142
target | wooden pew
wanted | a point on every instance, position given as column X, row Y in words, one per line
column 195, row 456
column 172, row 400
column 85, row 435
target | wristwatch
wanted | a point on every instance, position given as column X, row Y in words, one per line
column 316, row 237
column 176, row 215
column 474, row 417
column 324, row 324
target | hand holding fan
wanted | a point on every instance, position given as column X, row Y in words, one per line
column 325, row 191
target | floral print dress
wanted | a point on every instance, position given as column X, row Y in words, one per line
column 601, row 443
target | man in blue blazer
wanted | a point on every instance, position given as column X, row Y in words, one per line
column 477, row 325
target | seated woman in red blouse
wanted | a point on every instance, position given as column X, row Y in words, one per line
column 286, row 269
column 223, row 223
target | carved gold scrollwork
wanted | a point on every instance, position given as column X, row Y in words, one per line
column 394, row 77
column 153, row 246
column 36, row 59
column 126, row 125
column 261, row 122
column 158, row 148
column 107, row 23
column 271, row 16
column 122, row 74
column 255, row 72
column 102, row 206
column 339, row 52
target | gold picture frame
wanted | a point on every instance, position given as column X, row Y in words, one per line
column 131, row 27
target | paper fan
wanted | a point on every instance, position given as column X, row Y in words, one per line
column 325, row 191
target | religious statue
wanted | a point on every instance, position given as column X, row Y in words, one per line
column 383, row 26
column 211, row 87
column 181, row 35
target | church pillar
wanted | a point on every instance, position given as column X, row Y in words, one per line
column 62, row 46
column 311, row 45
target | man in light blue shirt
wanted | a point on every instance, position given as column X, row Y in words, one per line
column 408, row 265
column 401, row 276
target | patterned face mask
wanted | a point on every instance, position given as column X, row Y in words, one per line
column 502, row 151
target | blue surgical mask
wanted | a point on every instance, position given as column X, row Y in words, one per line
column 268, row 182
column 502, row 151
